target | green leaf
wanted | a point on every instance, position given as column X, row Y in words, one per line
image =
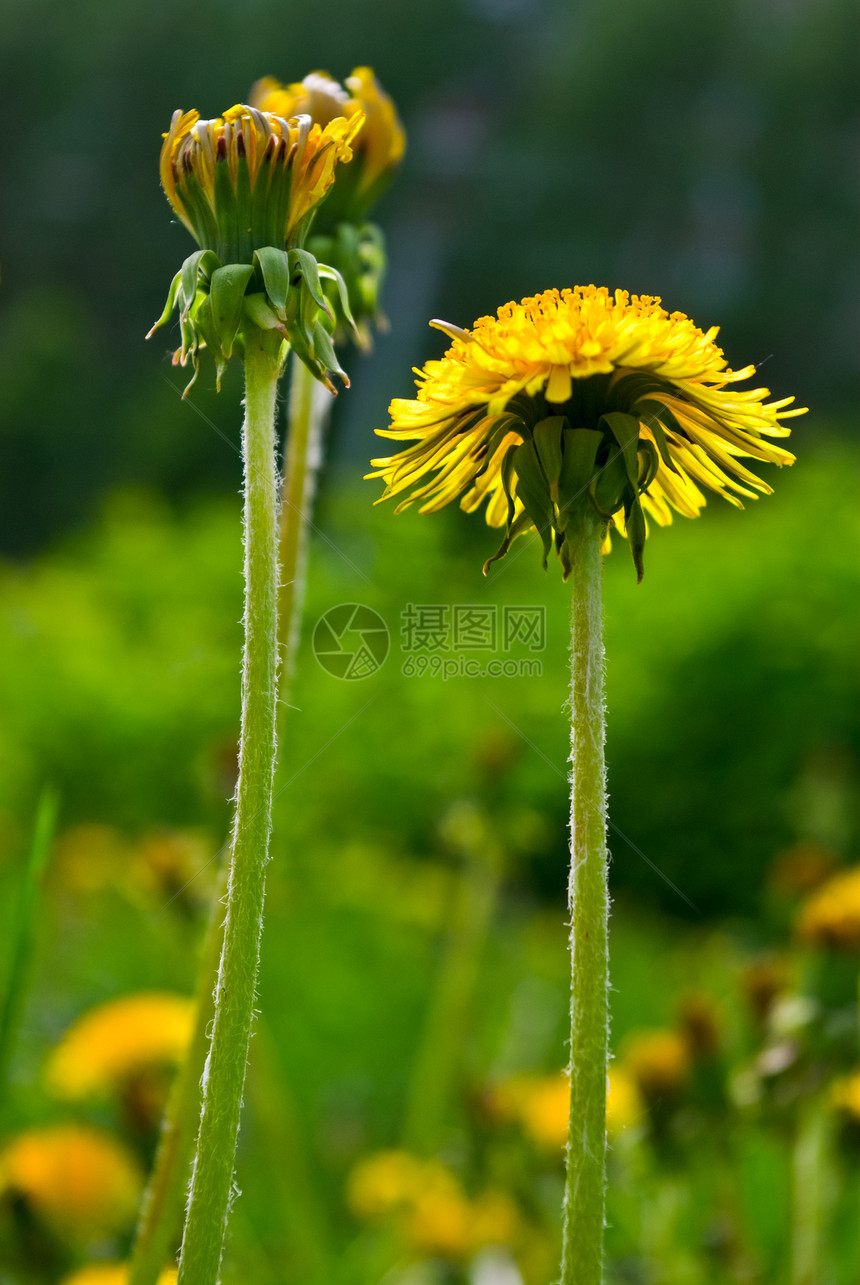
column 274, row 269
column 625, row 430
column 227, row 293
column 533, row 493
column 548, row 443
column 169, row 306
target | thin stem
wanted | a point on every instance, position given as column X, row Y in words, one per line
column 224, row 1074
column 310, row 403
column 159, row 1210
column 811, row 1193
column 588, row 899
column 309, row 406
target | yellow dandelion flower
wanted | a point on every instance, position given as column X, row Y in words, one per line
column 249, row 179
column 493, row 1220
column 112, row 1274
column 77, row 1179
column 383, row 1182
column 624, row 1105
column 438, row 1221
column 119, row 1039
column 581, row 397
column 845, row 1096
column 378, row 146
column 658, row 1062
column 831, row 915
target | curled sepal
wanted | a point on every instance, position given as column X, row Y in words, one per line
column 357, row 253
column 634, row 525
column 518, row 527
column 280, row 292
column 533, row 493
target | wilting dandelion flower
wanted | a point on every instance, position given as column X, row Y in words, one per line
column 581, row 394
column 78, row 1180
column 117, row 1040
column 246, row 185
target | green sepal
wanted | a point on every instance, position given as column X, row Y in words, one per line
column 227, row 293
column 625, row 430
column 649, row 464
column 519, row 527
column 508, row 475
column 548, row 443
column 205, row 327
column 331, row 274
column 580, row 447
column 634, row 523
column 259, row 309
column 170, row 305
column 274, row 269
column 533, row 493
column 203, row 263
column 656, row 416
column 302, row 263
column 607, row 489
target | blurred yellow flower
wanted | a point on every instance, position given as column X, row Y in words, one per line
column 429, row 1205
column 377, row 147
column 658, row 1062
column 250, row 179
column 831, row 916
column 845, row 1095
column 501, row 418
column 112, row 1274
column 116, row 1040
column 624, row 1105
column 81, row 1181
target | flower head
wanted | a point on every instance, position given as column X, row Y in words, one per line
column 658, row 1062
column 251, row 178
column 580, row 401
column 831, row 916
column 341, row 237
column 247, row 185
column 378, row 146
column 78, row 1180
column 117, row 1041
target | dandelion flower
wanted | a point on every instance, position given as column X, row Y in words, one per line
column 831, row 915
column 117, row 1040
column 112, row 1274
column 80, row 1181
column 581, row 396
column 624, row 1105
column 658, row 1062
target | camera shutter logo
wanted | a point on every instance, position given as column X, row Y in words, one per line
column 351, row 641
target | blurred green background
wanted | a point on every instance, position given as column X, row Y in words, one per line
column 702, row 153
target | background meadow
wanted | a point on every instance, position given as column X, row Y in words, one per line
column 414, row 974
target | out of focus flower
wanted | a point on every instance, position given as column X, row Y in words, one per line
column 341, row 236
column 800, row 869
column 830, row 917
column 540, row 1104
column 581, row 400
column 624, row 1105
column 763, row 981
column 429, row 1206
column 116, row 1041
column 699, row 1023
column 112, row 1274
column 658, row 1061
column 845, row 1096
column 153, row 869
column 81, row 1182
column 377, row 147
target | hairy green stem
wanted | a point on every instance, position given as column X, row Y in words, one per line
column 588, row 899
column 310, row 403
column 162, row 1199
column 308, row 410
column 224, row 1074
